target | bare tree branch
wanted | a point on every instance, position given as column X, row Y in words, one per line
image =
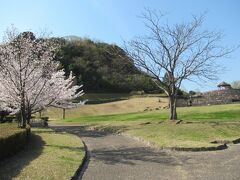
column 174, row 53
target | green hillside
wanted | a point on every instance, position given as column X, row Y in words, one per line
column 102, row 67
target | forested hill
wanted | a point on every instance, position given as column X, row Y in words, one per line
column 100, row 69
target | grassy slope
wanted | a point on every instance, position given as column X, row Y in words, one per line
column 49, row 156
column 105, row 96
column 221, row 113
column 114, row 96
column 220, row 122
column 125, row 106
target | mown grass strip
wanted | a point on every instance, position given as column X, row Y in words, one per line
column 49, row 155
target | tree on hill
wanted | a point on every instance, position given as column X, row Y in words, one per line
column 30, row 79
column 100, row 70
column 171, row 54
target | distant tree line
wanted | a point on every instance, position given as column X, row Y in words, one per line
column 100, row 69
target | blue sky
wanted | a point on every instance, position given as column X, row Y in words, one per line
column 112, row 20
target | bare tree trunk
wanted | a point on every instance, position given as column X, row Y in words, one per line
column 23, row 117
column 23, row 111
column 63, row 113
column 18, row 116
column 28, row 116
column 172, row 107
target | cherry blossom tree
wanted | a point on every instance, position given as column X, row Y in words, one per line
column 30, row 79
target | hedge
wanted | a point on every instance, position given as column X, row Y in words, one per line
column 12, row 139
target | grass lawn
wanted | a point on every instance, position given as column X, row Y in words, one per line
column 185, row 135
column 200, row 126
column 124, row 106
column 8, row 129
column 229, row 112
column 49, row 155
column 97, row 98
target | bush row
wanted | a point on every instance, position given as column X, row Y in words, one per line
column 13, row 143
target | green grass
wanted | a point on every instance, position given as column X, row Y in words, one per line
column 185, row 135
column 221, row 113
column 216, row 112
column 209, row 123
column 49, row 155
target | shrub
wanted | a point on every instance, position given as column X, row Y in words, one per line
column 12, row 139
column 137, row 92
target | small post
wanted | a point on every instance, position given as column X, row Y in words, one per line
column 63, row 113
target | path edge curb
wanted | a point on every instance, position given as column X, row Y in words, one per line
column 85, row 161
column 84, row 164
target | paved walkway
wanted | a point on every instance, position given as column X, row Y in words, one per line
column 114, row 157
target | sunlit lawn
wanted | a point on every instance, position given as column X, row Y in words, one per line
column 219, row 122
column 8, row 129
column 49, row 155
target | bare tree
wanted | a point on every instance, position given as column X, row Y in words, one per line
column 173, row 53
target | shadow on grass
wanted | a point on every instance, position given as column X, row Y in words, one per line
column 77, row 149
column 43, row 132
column 11, row 167
column 123, row 155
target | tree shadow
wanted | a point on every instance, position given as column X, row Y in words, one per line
column 82, row 131
column 132, row 156
column 123, row 154
column 77, row 149
column 11, row 167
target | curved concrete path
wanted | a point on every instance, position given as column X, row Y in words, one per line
column 114, row 157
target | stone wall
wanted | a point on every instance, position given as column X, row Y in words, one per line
column 222, row 96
